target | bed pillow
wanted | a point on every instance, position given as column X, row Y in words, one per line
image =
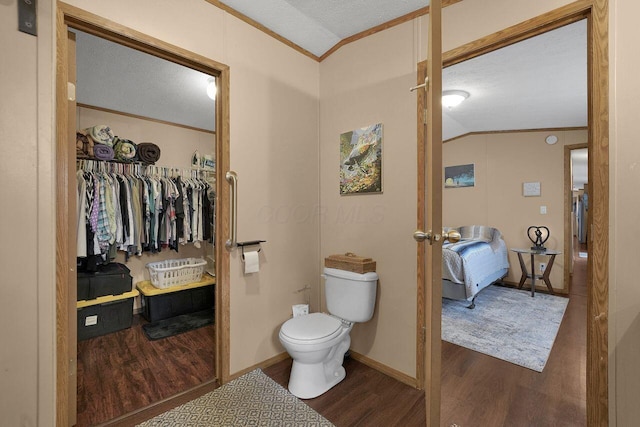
column 476, row 232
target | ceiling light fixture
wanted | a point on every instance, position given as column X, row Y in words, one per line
column 453, row 98
column 211, row 88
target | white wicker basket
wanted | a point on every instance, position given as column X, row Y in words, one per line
column 175, row 272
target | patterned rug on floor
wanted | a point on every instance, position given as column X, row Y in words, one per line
column 253, row 399
column 507, row 324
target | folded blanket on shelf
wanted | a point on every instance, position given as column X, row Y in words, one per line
column 103, row 152
column 101, row 134
column 148, row 152
column 84, row 145
column 124, row 149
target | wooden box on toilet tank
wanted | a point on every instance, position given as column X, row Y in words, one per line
column 350, row 262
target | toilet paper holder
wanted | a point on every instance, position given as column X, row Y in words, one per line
column 250, row 243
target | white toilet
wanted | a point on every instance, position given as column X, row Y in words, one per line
column 317, row 342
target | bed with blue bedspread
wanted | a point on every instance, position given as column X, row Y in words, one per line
column 478, row 260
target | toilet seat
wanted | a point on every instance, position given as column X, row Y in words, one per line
column 314, row 328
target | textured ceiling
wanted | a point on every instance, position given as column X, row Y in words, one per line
column 537, row 83
column 317, row 26
column 119, row 78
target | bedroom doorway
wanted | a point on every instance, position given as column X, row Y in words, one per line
column 597, row 131
column 576, row 201
column 67, row 114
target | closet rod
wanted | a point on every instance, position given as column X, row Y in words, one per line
column 114, row 165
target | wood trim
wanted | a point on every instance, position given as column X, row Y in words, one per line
column 223, row 298
column 596, row 11
column 118, row 33
column 67, row 15
column 489, row 132
column 541, row 24
column 421, row 325
column 72, row 279
column 393, row 373
column 149, row 119
column 598, row 219
column 568, row 197
column 62, row 228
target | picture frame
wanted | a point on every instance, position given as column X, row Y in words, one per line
column 459, row 176
column 361, row 160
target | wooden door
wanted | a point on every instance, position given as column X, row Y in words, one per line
column 430, row 218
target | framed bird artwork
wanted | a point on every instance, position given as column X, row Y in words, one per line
column 361, row 160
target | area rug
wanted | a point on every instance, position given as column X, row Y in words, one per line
column 253, row 399
column 177, row 325
column 507, row 324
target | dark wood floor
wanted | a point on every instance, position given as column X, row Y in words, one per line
column 477, row 390
column 122, row 372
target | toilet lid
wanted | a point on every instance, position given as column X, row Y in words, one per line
column 316, row 327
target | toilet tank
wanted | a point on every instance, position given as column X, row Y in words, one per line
column 350, row 296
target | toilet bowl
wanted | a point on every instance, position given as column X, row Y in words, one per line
column 317, row 342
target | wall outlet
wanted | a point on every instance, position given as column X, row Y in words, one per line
column 543, row 267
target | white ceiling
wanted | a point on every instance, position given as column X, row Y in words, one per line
column 119, row 78
column 317, row 26
column 539, row 83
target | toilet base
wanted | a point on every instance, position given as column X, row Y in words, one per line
column 311, row 380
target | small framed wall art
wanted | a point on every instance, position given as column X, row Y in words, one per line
column 361, row 160
column 531, row 189
column 459, row 176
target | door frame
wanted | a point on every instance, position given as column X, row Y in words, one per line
column 68, row 16
column 596, row 12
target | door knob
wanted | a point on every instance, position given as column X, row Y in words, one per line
column 421, row 236
column 452, row 236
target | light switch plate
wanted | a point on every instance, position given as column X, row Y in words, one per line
column 27, row 20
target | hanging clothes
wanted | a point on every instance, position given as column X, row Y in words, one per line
column 121, row 208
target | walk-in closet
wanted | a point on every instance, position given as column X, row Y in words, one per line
column 146, row 194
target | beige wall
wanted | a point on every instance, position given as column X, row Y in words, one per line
column 503, row 162
column 624, row 294
column 26, row 298
column 274, row 144
column 357, row 90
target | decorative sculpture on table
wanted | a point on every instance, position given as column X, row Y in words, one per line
column 540, row 236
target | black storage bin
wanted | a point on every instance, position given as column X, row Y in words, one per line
column 110, row 279
column 166, row 305
column 105, row 315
